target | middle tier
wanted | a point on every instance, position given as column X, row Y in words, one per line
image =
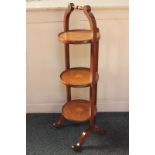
column 77, row 77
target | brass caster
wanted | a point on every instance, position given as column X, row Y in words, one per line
column 56, row 125
column 76, row 147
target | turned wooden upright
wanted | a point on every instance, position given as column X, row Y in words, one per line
column 80, row 110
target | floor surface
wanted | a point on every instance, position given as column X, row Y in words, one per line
column 43, row 139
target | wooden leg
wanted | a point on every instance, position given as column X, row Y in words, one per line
column 68, row 91
column 59, row 123
column 85, row 134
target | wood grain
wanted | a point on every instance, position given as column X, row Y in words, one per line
column 77, row 77
column 77, row 36
column 77, row 110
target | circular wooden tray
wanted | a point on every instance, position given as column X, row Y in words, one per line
column 77, row 77
column 77, row 110
column 77, row 36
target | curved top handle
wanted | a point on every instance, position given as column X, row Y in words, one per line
column 77, row 7
column 87, row 11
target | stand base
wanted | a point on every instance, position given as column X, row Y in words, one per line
column 84, row 135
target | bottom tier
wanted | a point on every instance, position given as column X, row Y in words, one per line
column 77, row 110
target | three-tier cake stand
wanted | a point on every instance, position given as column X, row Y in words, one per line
column 80, row 110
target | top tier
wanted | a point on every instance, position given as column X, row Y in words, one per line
column 79, row 36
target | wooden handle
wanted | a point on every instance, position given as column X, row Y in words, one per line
column 87, row 11
column 77, row 7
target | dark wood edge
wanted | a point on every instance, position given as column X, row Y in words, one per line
column 82, row 120
column 73, row 30
column 76, row 42
column 77, row 30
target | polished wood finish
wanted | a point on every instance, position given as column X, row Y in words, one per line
column 77, row 77
column 59, row 123
column 85, row 134
column 80, row 110
column 77, row 36
column 77, row 110
column 67, row 66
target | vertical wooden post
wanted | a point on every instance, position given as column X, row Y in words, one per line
column 67, row 66
column 93, row 68
column 67, row 55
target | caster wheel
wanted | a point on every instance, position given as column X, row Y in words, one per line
column 56, row 126
column 76, row 147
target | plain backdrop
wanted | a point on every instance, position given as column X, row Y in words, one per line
column 13, row 77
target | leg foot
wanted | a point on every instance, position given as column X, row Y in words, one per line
column 85, row 134
column 76, row 147
column 59, row 123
